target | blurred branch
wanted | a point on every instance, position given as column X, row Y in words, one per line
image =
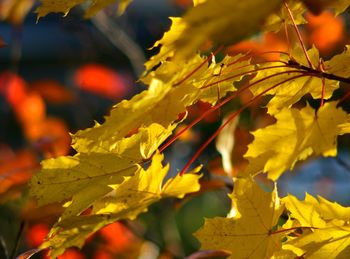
column 120, row 40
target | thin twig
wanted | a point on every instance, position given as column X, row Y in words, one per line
column 120, row 40
column 299, row 35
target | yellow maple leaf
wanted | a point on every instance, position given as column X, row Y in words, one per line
column 221, row 16
column 296, row 135
column 64, row 6
column 292, row 84
column 249, row 235
column 325, row 228
column 339, row 64
column 85, row 177
column 127, row 200
column 277, row 20
column 160, row 104
column 166, row 42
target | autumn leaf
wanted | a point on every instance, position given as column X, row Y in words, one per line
column 249, row 234
column 291, row 83
column 64, row 6
column 221, row 16
column 326, row 230
column 165, row 43
column 339, row 64
column 85, row 177
column 127, row 200
column 326, row 31
column 296, row 135
column 100, row 80
column 276, row 21
column 15, row 11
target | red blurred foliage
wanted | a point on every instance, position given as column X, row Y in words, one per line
column 269, row 42
column 2, row 43
column 15, row 168
column 326, row 31
column 199, row 108
column 36, row 234
column 13, row 87
column 100, row 80
column 183, row 3
column 118, row 237
column 72, row 254
column 52, row 91
column 49, row 135
column 101, row 254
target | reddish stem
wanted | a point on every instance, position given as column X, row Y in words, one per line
column 203, row 115
column 346, row 96
column 247, row 73
column 230, row 118
column 200, row 65
column 299, row 35
column 289, row 229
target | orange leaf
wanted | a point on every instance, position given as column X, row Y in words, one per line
column 13, row 87
column 326, row 31
column 100, row 80
column 36, row 234
column 31, row 110
column 71, row 254
column 15, row 168
column 117, row 236
column 52, row 91
column 50, row 136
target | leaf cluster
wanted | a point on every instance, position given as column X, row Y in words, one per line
column 117, row 171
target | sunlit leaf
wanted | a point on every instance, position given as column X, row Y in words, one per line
column 291, row 83
column 296, row 135
column 277, row 20
column 326, row 232
column 127, row 201
column 64, row 6
column 339, row 64
column 221, row 16
column 249, row 235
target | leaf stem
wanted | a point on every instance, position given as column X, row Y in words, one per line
column 289, row 229
column 198, row 67
column 230, row 118
column 222, row 103
column 299, row 35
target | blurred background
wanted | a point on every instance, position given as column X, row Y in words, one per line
column 60, row 74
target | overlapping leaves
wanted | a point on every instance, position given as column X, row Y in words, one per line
column 64, row 6
column 126, row 200
column 316, row 228
column 248, row 234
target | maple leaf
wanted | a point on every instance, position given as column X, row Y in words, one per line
column 291, row 84
column 276, row 21
column 212, row 81
column 127, row 200
column 296, row 135
column 64, row 6
column 221, row 16
column 339, row 64
column 249, row 234
column 160, row 104
column 85, row 177
column 166, row 50
column 326, row 229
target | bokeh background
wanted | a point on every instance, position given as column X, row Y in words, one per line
column 60, row 74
